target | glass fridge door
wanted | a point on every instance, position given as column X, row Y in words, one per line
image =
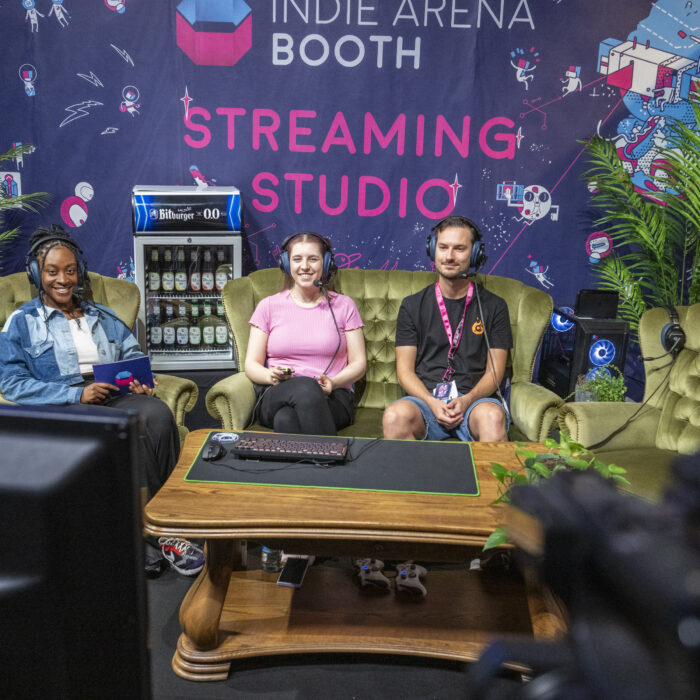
column 181, row 321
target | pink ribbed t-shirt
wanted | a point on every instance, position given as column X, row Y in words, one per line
column 306, row 338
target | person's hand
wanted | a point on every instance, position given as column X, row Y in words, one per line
column 97, row 392
column 278, row 374
column 326, row 383
column 456, row 409
column 137, row 388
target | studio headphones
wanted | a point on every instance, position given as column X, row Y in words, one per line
column 478, row 255
column 672, row 335
column 329, row 265
column 54, row 233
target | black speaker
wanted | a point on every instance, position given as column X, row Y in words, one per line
column 578, row 346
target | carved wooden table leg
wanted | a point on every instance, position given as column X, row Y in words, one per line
column 200, row 612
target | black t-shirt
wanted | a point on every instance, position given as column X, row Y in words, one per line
column 420, row 325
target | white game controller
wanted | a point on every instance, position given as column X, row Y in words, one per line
column 408, row 578
column 370, row 573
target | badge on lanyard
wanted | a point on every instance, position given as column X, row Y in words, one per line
column 445, row 391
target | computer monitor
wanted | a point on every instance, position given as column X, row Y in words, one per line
column 72, row 588
column 596, row 303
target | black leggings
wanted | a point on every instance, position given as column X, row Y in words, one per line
column 299, row 405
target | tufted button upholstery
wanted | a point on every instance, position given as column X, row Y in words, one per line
column 378, row 295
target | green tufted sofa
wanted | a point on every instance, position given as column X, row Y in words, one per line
column 670, row 423
column 122, row 297
column 378, row 295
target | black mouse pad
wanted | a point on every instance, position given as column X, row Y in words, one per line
column 405, row 466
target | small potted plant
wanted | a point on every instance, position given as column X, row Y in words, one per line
column 536, row 467
column 605, row 384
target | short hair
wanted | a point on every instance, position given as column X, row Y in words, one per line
column 457, row 221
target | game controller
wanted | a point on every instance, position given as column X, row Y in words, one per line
column 408, row 578
column 286, row 371
column 370, row 573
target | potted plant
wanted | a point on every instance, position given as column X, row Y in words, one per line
column 26, row 202
column 656, row 260
column 536, row 467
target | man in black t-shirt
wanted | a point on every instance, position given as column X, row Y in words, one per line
column 442, row 350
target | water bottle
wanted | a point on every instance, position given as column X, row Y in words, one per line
column 271, row 559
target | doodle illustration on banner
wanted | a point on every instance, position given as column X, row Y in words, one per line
column 19, row 160
column 74, row 209
column 524, row 64
column 10, row 184
column 571, row 80
column 656, row 71
column 534, row 201
column 228, row 35
column 117, row 6
column 199, row 179
column 126, row 270
column 539, row 272
column 598, row 245
column 27, row 74
column 130, row 104
column 32, row 15
column 60, row 12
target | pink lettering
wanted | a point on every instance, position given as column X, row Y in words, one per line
column 398, row 130
column 266, row 130
column 323, row 196
column 509, row 138
column 364, row 181
column 263, row 191
column 298, row 179
column 338, row 124
column 231, row 113
column 420, row 196
column 295, row 130
column 442, row 128
column 200, row 128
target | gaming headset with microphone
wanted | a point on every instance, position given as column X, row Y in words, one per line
column 478, row 254
column 329, row 265
column 58, row 234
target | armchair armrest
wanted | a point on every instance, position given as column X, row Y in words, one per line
column 178, row 393
column 589, row 422
column 534, row 409
column 232, row 401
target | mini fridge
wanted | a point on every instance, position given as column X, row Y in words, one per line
column 187, row 245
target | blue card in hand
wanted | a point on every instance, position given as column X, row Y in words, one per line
column 122, row 373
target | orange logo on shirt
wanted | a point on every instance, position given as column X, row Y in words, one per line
column 478, row 327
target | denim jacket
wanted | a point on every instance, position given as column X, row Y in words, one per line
column 38, row 359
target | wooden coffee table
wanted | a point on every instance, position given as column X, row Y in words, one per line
column 230, row 613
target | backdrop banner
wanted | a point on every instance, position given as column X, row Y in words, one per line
column 366, row 121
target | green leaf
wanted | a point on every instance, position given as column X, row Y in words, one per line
column 497, row 538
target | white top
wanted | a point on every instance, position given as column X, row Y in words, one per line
column 84, row 344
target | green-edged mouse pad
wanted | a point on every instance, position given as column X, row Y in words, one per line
column 405, row 466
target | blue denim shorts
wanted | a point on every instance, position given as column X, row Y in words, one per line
column 435, row 431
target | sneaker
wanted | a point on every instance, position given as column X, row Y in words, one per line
column 183, row 556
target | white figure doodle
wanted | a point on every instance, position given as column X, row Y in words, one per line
column 535, row 204
column 521, row 72
column 130, row 102
column 60, row 12
column 27, row 74
column 540, row 273
column 32, row 15
column 571, row 80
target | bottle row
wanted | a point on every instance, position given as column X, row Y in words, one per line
column 178, row 324
column 206, row 270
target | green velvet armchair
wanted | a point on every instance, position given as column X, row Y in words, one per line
column 378, row 295
column 122, row 297
column 668, row 426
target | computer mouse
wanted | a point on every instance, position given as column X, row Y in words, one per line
column 213, row 451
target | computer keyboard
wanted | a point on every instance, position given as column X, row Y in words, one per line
column 290, row 448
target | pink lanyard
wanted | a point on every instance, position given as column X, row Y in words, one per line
column 454, row 342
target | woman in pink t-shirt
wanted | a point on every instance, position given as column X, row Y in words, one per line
column 306, row 346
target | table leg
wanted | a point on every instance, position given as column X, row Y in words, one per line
column 200, row 611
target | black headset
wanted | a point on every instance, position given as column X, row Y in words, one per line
column 672, row 335
column 329, row 264
column 58, row 234
column 478, row 255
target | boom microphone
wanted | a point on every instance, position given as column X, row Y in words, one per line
column 318, row 283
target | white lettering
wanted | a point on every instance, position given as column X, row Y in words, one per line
column 498, row 20
column 380, row 41
column 455, row 11
column 324, row 50
column 435, row 10
column 412, row 16
column 401, row 52
column 362, row 8
column 318, row 12
column 517, row 19
column 360, row 51
column 284, row 49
